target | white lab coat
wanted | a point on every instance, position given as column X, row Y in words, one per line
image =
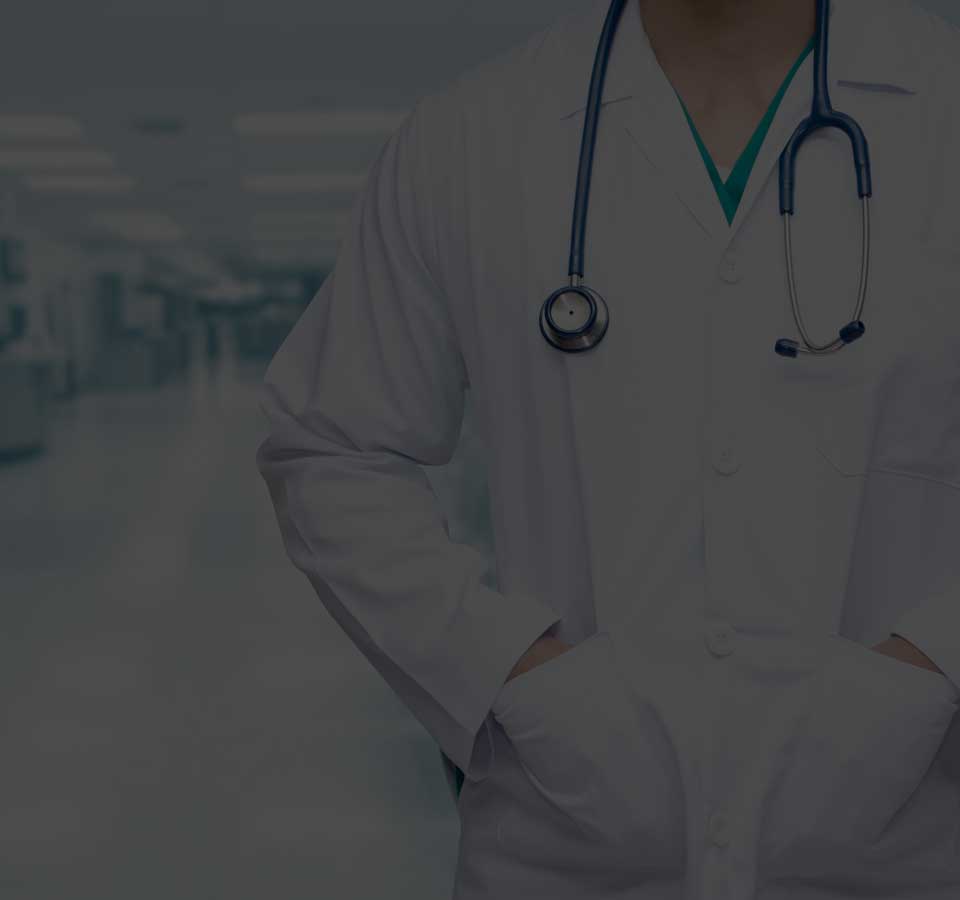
column 721, row 532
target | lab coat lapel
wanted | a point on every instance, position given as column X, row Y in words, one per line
column 658, row 127
column 648, row 111
column 794, row 107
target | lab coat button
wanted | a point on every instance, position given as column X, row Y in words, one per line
column 719, row 830
column 730, row 270
column 726, row 461
column 719, row 640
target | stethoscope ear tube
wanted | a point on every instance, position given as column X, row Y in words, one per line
column 823, row 115
column 854, row 329
column 588, row 139
column 788, row 158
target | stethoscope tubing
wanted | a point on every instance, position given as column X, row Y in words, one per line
column 838, row 342
column 589, row 140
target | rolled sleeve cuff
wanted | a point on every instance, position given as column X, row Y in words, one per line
column 493, row 652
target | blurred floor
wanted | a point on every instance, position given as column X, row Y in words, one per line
column 180, row 715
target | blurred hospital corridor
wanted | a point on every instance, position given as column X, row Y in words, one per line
column 181, row 717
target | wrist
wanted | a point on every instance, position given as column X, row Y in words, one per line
column 542, row 650
column 900, row 648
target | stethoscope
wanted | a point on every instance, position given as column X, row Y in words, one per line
column 575, row 318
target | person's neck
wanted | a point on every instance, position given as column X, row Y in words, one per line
column 731, row 38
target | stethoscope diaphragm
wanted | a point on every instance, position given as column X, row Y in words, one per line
column 574, row 318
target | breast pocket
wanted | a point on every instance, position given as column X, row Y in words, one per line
column 844, row 437
column 891, row 401
column 835, row 405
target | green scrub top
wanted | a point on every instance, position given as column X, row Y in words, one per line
column 731, row 191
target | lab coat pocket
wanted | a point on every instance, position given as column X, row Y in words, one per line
column 870, row 731
column 837, row 397
column 841, row 407
column 888, row 402
column 598, row 757
column 845, row 443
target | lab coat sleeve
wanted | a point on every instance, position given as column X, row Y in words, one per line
column 906, row 566
column 926, row 424
column 929, row 516
column 368, row 387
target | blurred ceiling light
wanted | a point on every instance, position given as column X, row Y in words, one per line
column 139, row 226
column 306, row 230
column 319, row 124
column 295, row 237
column 303, row 182
column 80, row 184
column 189, row 184
column 194, row 262
column 292, row 256
column 159, row 125
column 231, row 290
column 22, row 160
column 30, row 127
column 295, row 219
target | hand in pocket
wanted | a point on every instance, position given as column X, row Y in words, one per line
column 593, row 751
column 871, row 728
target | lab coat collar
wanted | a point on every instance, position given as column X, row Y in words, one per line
column 868, row 51
column 868, row 48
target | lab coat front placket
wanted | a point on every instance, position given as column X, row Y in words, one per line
column 721, row 856
column 776, row 541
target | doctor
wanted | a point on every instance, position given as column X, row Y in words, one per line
column 722, row 656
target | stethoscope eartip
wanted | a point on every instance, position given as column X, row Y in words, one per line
column 786, row 347
column 851, row 332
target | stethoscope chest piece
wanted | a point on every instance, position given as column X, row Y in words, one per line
column 574, row 318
